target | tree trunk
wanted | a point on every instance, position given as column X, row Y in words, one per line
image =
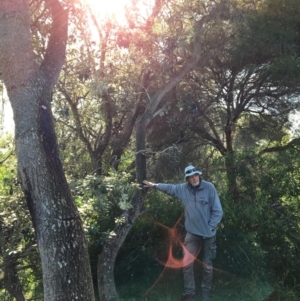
column 107, row 258
column 59, row 233
column 231, row 175
column 11, row 280
column 106, row 262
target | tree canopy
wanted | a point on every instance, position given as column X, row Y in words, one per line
column 101, row 105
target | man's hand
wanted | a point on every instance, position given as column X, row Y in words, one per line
column 148, row 184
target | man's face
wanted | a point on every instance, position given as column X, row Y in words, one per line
column 194, row 180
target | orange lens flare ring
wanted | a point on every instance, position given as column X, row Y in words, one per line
column 173, row 262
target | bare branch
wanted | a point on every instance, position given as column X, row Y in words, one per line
column 7, row 157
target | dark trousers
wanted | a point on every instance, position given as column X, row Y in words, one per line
column 193, row 244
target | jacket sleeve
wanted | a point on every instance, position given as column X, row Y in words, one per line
column 216, row 211
column 171, row 189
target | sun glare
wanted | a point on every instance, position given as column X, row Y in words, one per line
column 115, row 9
column 108, row 7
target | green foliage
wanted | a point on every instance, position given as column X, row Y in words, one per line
column 285, row 70
column 280, row 234
column 148, row 243
column 94, row 102
column 257, row 238
column 16, row 232
column 259, row 233
column 240, row 251
column 270, row 37
column 102, row 199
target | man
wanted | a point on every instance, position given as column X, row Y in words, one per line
column 203, row 213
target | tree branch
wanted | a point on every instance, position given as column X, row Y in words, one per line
column 56, row 49
column 293, row 143
column 7, row 157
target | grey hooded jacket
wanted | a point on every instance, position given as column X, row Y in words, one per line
column 203, row 209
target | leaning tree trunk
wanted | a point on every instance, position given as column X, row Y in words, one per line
column 106, row 262
column 59, row 233
column 107, row 258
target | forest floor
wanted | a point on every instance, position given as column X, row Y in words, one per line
column 168, row 285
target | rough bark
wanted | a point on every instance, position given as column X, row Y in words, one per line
column 59, row 232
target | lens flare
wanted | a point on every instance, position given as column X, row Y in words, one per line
column 173, row 238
